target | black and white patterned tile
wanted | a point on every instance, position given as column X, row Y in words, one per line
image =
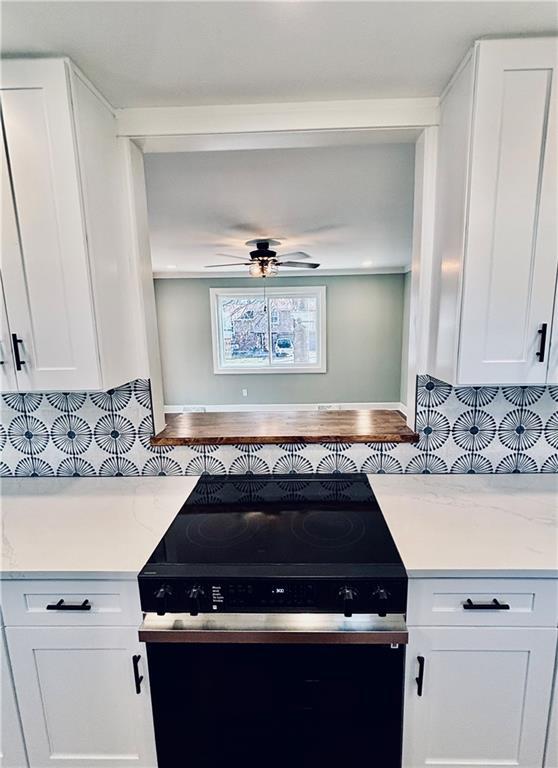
column 461, row 430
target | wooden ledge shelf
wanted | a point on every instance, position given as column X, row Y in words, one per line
column 258, row 427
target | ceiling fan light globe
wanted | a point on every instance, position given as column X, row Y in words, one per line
column 270, row 269
column 255, row 270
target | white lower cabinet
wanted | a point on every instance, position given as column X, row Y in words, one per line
column 551, row 754
column 485, row 696
column 12, row 749
column 78, row 696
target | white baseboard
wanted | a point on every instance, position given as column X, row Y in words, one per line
column 285, row 407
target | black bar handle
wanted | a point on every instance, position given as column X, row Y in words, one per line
column 62, row 606
column 420, row 679
column 137, row 677
column 542, row 330
column 495, row 605
column 19, row 363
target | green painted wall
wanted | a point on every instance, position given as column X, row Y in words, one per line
column 364, row 344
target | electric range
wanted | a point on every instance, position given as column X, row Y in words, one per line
column 277, row 544
column 274, row 626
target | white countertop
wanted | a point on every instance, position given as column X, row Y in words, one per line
column 472, row 525
column 85, row 527
column 443, row 525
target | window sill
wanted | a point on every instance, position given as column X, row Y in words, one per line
column 257, row 427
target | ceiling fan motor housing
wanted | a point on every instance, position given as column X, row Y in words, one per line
column 263, row 251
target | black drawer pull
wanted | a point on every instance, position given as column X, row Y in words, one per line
column 495, row 605
column 420, row 679
column 137, row 677
column 62, row 606
column 19, row 363
column 542, row 347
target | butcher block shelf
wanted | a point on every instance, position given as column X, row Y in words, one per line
column 230, row 428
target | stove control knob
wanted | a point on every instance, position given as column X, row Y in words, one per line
column 161, row 598
column 194, row 596
column 347, row 595
column 381, row 595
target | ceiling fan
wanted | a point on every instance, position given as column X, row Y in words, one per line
column 265, row 262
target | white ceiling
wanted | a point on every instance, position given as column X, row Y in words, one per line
column 182, row 53
column 349, row 207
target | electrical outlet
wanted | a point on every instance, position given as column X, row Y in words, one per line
column 244, row 393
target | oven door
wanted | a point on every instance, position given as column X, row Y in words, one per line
column 276, row 691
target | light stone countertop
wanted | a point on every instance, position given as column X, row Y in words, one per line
column 472, row 525
column 443, row 525
column 85, row 527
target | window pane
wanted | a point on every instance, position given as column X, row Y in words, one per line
column 244, row 331
column 294, row 330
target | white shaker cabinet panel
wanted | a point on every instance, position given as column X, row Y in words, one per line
column 77, row 696
column 69, row 266
column 10, row 250
column 47, row 289
column 12, row 749
column 7, row 372
column 551, row 755
column 512, row 251
column 496, row 232
column 484, row 700
column 552, row 377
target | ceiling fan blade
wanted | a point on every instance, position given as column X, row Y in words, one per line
column 230, row 256
column 296, row 254
column 301, row 264
column 238, row 264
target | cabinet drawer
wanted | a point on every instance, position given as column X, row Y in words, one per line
column 84, row 603
column 483, row 602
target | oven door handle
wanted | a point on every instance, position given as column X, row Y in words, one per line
column 317, row 629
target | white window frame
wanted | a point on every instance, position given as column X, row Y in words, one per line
column 318, row 291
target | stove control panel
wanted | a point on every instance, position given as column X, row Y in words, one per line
column 268, row 595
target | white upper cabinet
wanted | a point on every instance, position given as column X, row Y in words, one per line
column 496, row 239
column 7, row 369
column 67, row 267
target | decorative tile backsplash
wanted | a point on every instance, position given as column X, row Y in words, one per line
column 462, row 430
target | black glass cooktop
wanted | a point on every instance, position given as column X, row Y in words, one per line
column 313, row 520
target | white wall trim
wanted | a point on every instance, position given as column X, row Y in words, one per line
column 176, row 273
column 288, row 116
column 230, row 407
column 227, row 142
column 423, row 294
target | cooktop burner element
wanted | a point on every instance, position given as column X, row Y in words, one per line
column 276, row 542
column 214, row 531
column 329, row 528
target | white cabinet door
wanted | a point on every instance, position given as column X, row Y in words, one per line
column 551, row 756
column 7, row 371
column 46, row 282
column 552, row 377
column 485, row 697
column 12, row 750
column 77, row 697
column 511, row 242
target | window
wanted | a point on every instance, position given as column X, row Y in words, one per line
column 282, row 331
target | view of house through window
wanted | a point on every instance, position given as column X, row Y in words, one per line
column 283, row 329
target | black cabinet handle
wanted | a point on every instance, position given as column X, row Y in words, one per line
column 62, row 606
column 420, row 679
column 542, row 330
column 495, row 605
column 137, row 677
column 19, row 363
